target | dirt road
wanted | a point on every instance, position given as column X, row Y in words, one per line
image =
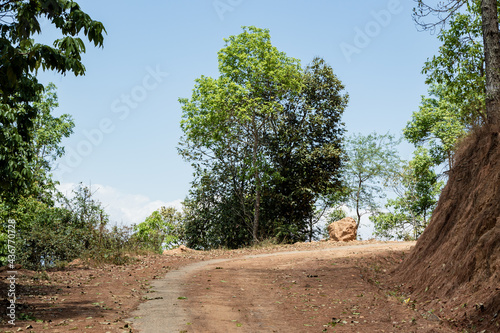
column 300, row 291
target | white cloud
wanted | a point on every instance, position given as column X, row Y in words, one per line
column 127, row 209
column 123, row 208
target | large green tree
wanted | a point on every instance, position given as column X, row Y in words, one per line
column 21, row 57
column 229, row 115
column 305, row 152
column 253, row 134
column 437, row 125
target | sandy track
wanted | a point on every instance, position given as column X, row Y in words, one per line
column 247, row 294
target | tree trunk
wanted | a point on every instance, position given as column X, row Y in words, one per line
column 256, row 215
column 491, row 39
column 358, row 194
column 311, row 229
column 257, row 208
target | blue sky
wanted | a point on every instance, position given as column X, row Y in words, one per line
column 126, row 110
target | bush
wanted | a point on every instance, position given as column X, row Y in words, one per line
column 45, row 235
column 160, row 231
column 48, row 236
column 111, row 246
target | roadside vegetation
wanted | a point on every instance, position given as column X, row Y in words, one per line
column 273, row 160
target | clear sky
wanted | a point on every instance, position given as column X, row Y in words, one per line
column 126, row 107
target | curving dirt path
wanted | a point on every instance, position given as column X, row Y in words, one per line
column 299, row 291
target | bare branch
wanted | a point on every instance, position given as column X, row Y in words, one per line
column 442, row 11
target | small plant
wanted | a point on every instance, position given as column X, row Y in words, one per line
column 266, row 243
column 334, row 322
column 41, row 275
column 27, row 316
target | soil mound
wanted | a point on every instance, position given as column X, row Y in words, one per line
column 455, row 264
column 180, row 250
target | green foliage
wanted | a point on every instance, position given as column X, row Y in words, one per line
column 48, row 132
column 336, row 215
column 372, row 160
column 15, row 154
column 21, row 55
column 265, row 141
column 455, row 105
column 161, row 230
column 45, row 145
column 20, row 59
column 47, row 236
column 459, row 65
column 456, row 79
column 218, row 213
column 305, row 153
column 436, row 126
column 227, row 118
column 417, row 187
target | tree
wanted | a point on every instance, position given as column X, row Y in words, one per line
column 437, row 125
column 491, row 37
column 417, row 188
column 45, row 146
column 457, row 71
column 264, row 139
column 48, row 133
column 266, row 76
column 160, row 230
column 20, row 59
column 235, row 109
column 456, row 76
column 372, row 159
column 22, row 56
column 305, row 152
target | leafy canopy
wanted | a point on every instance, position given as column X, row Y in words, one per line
column 372, row 159
column 20, row 59
column 417, row 187
column 456, row 79
column 21, row 56
column 160, row 230
column 264, row 139
column 44, row 148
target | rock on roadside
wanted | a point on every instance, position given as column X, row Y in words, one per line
column 343, row 231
